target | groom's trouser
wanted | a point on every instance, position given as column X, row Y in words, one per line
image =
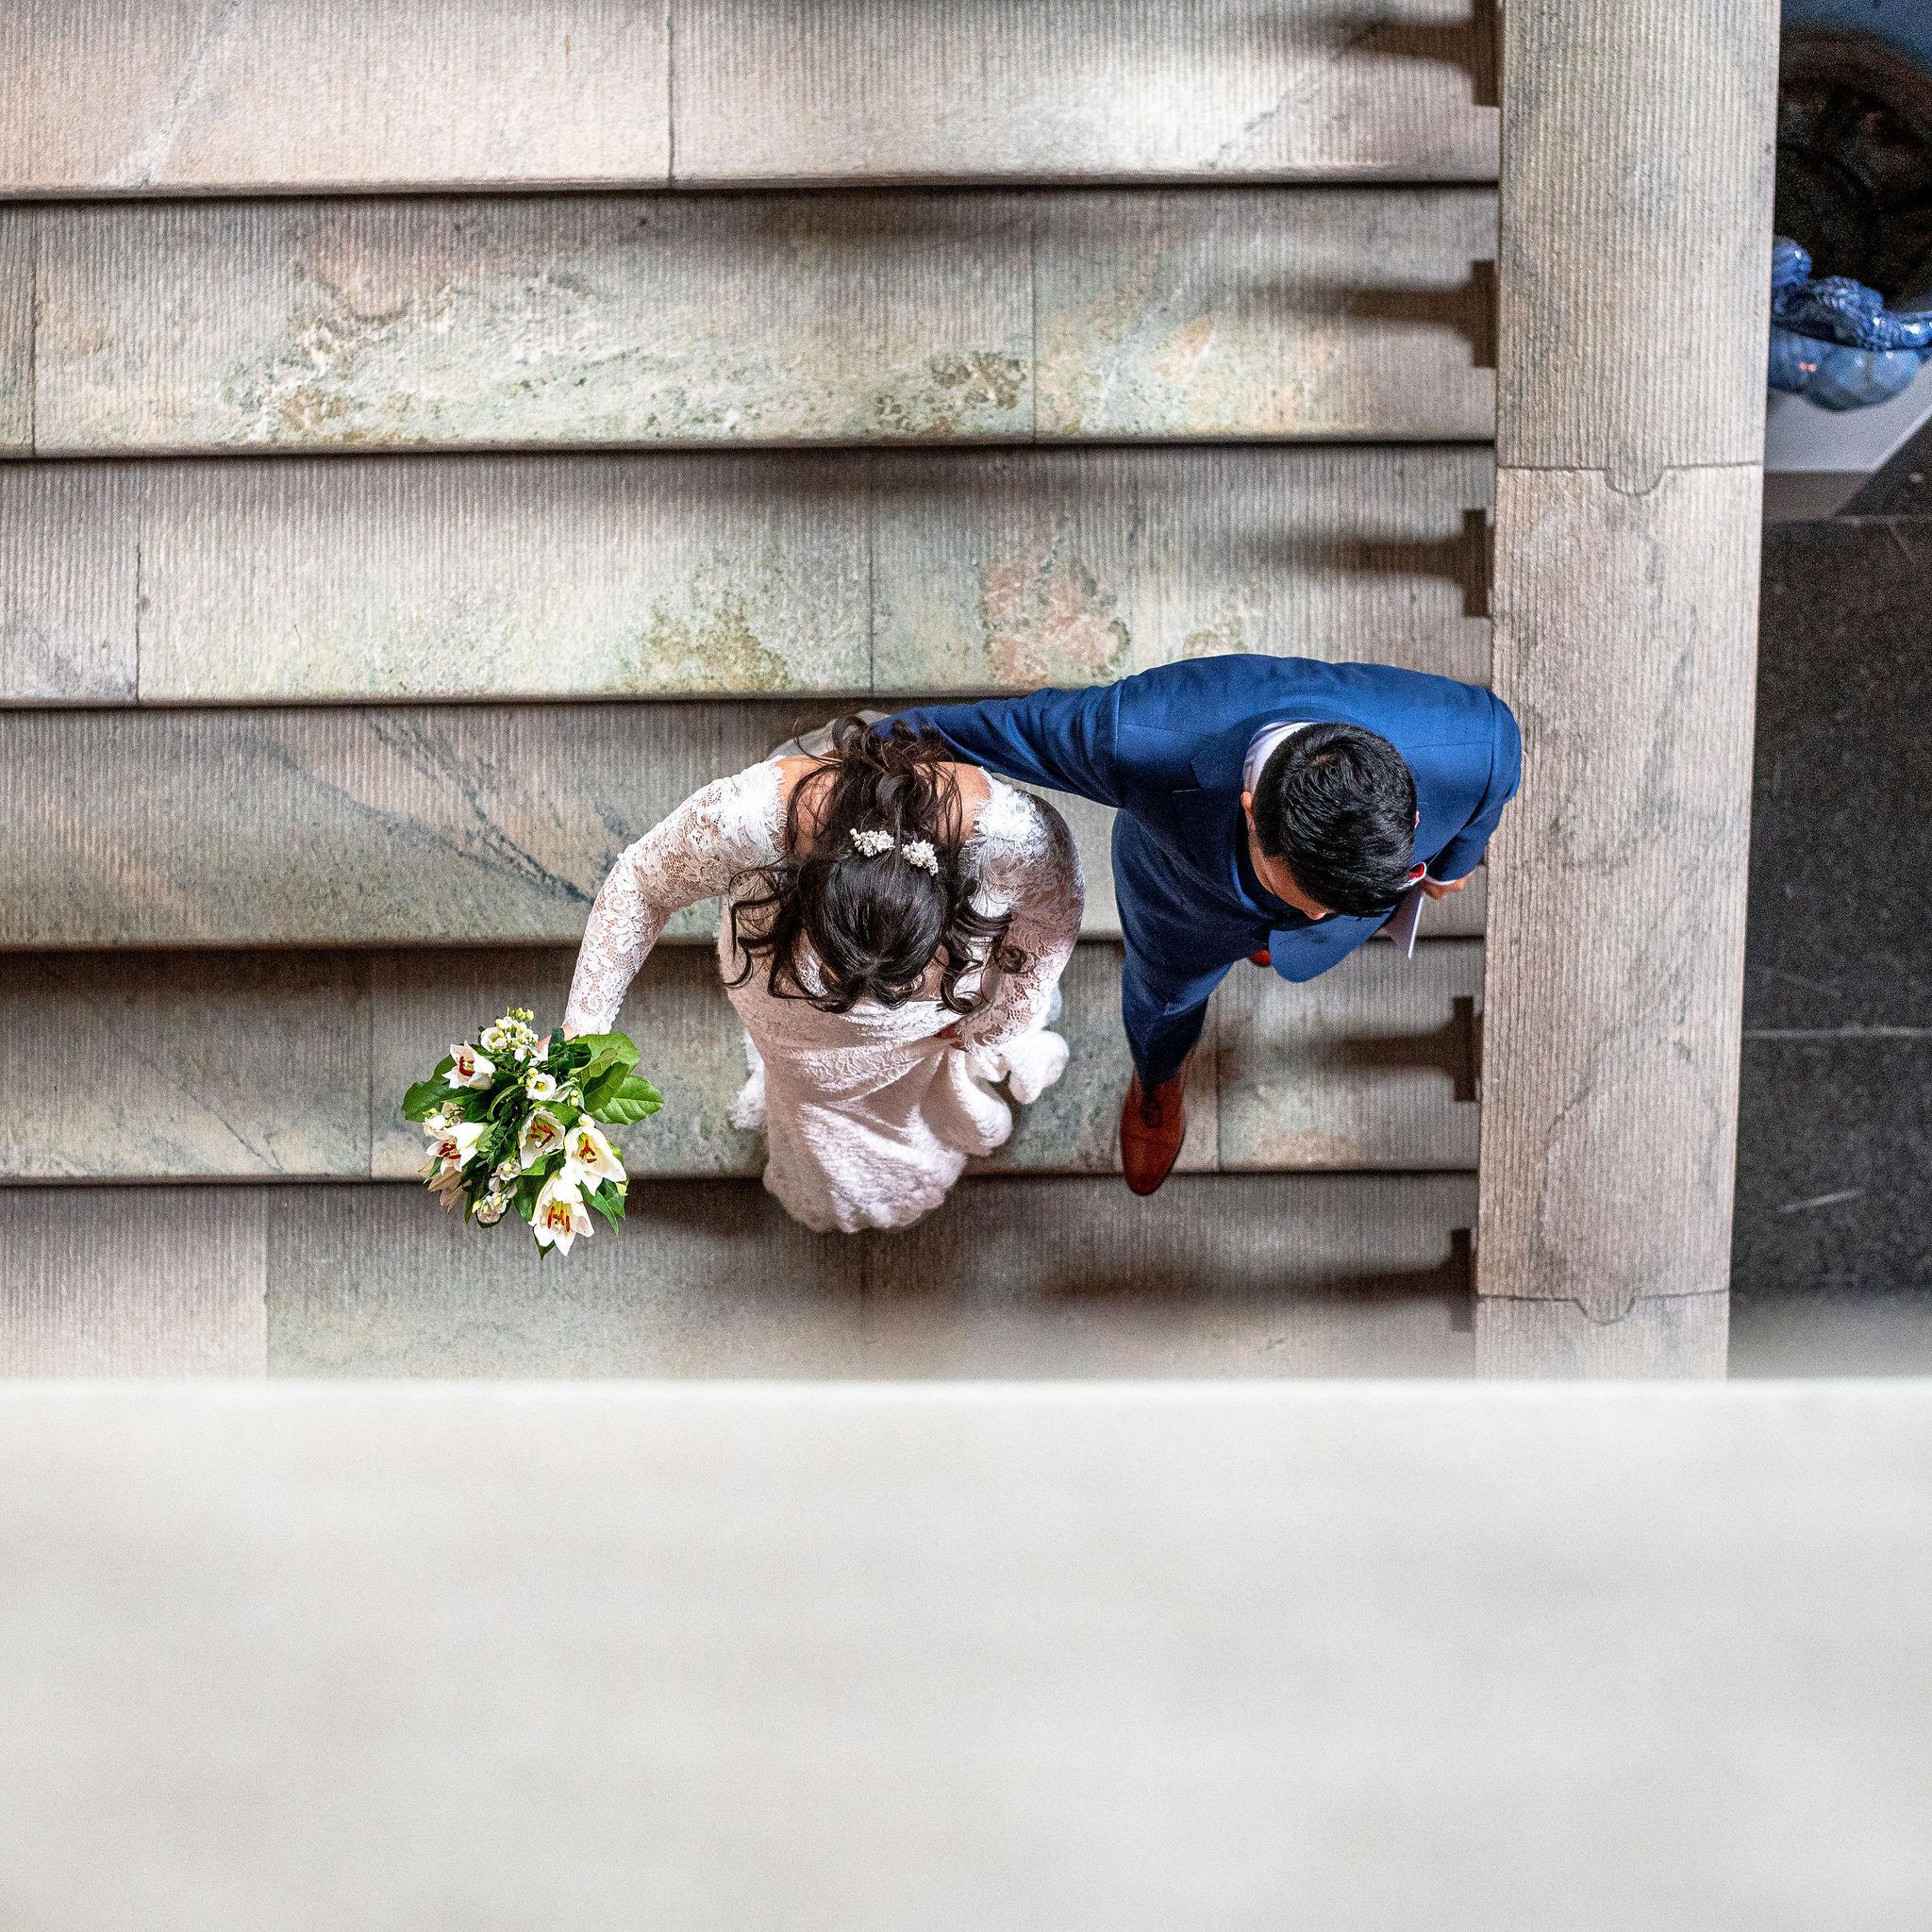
column 1164, row 1013
column 1179, row 950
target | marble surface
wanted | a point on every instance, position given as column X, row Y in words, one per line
column 725, row 573
column 1015, row 1276
column 1083, row 88
column 386, row 826
column 255, row 97
column 241, row 96
column 1378, row 1071
column 286, row 1064
column 759, row 319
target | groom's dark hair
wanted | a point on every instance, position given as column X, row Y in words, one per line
column 1336, row 805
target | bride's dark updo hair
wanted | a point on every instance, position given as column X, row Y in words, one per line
column 872, row 924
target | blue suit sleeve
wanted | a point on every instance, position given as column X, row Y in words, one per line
column 1464, row 852
column 1063, row 739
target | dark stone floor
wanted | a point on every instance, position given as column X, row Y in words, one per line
column 1832, row 1255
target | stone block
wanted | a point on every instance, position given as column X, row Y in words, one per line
column 1318, row 1275
column 1332, row 313
column 681, row 319
column 1013, row 570
column 158, row 1066
column 688, row 574
column 69, row 565
column 16, row 330
column 1372, row 1065
column 1616, row 944
column 135, row 1281
column 586, row 321
column 1013, row 1277
column 387, row 826
column 1636, row 216
column 1662, row 1338
column 1083, row 88
column 285, row 1065
column 541, row 576
column 706, row 1279
column 264, row 96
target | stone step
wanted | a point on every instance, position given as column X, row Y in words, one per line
column 1219, row 1275
column 226, row 1066
column 378, row 825
column 628, row 321
column 719, row 573
column 257, row 96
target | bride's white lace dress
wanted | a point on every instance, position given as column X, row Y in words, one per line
column 868, row 1116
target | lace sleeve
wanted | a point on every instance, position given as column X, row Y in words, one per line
column 731, row 824
column 1027, row 865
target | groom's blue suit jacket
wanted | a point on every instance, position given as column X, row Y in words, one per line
column 1166, row 748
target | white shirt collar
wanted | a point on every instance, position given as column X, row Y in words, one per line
column 1262, row 748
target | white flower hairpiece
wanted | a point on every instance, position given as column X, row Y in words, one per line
column 919, row 853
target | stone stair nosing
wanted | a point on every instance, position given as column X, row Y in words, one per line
column 603, row 321
column 378, row 826
column 1238, row 1274
column 318, row 579
column 291, row 1065
column 99, row 98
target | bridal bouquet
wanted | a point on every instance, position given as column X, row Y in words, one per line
column 518, row 1122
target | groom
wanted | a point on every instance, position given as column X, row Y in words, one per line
column 1272, row 809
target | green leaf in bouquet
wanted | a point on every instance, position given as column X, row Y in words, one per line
column 631, row 1100
column 529, row 1186
column 608, row 1202
column 609, row 1052
column 423, row 1098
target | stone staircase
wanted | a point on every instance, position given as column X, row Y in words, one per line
column 394, row 527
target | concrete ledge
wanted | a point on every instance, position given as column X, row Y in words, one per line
column 1124, row 1657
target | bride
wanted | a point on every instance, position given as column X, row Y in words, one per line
column 895, row 927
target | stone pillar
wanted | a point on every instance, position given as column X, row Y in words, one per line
column 1634, row 266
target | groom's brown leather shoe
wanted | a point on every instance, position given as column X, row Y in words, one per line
column 1153, row 1122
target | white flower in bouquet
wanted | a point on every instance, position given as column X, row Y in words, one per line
column 560, row 1215
column 490, row 1209
column 456, row 1145
column 588, row 1157
column 543, row 1134
column 539, row 1085
column 448, row 1186
column 469, row 1068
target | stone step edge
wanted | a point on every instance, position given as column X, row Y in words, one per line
column 1376, row 1069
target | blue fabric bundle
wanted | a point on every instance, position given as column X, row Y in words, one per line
column 1834, row 342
